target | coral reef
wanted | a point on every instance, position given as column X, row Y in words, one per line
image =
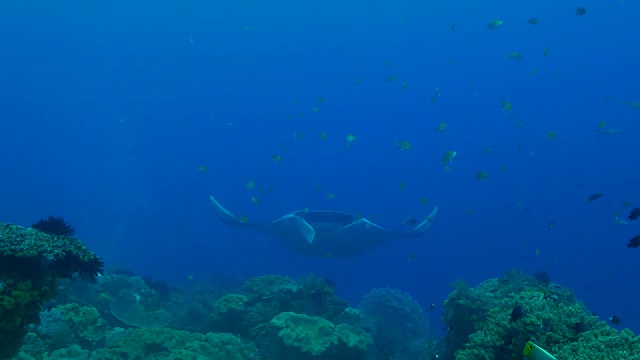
column 31, row 262
column 482, row 325
column 276, row 317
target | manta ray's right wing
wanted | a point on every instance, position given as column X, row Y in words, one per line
column 228, row 218
column 291, row 228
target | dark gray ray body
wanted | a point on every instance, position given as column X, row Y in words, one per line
column 323, row 233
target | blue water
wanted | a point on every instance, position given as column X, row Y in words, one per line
column 108, row 109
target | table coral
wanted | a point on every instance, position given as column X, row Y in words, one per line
column 316, row 336
column 310, row 334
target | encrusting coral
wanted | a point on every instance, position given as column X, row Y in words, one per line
column 163, row 343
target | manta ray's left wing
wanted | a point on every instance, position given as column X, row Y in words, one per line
column 362, row 235
column 423, row 226
column 366, row 231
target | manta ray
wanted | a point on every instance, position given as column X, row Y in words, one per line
column 324, row 233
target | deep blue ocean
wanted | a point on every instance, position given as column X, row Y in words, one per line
column 123, row 117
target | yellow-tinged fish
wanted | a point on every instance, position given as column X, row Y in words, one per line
column 494, row 24
column 481, row 176
column 349, row 139
column 448, row 157
column 535, row 352
column 441, row 127
column 242, row 218
column 403, row 145
column 516, row 55
column 551, row 135
column 506, row 105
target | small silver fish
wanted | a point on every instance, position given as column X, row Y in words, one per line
column 621, row 221
column 609, row 131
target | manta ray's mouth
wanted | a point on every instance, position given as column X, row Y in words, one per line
column 327, row 217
